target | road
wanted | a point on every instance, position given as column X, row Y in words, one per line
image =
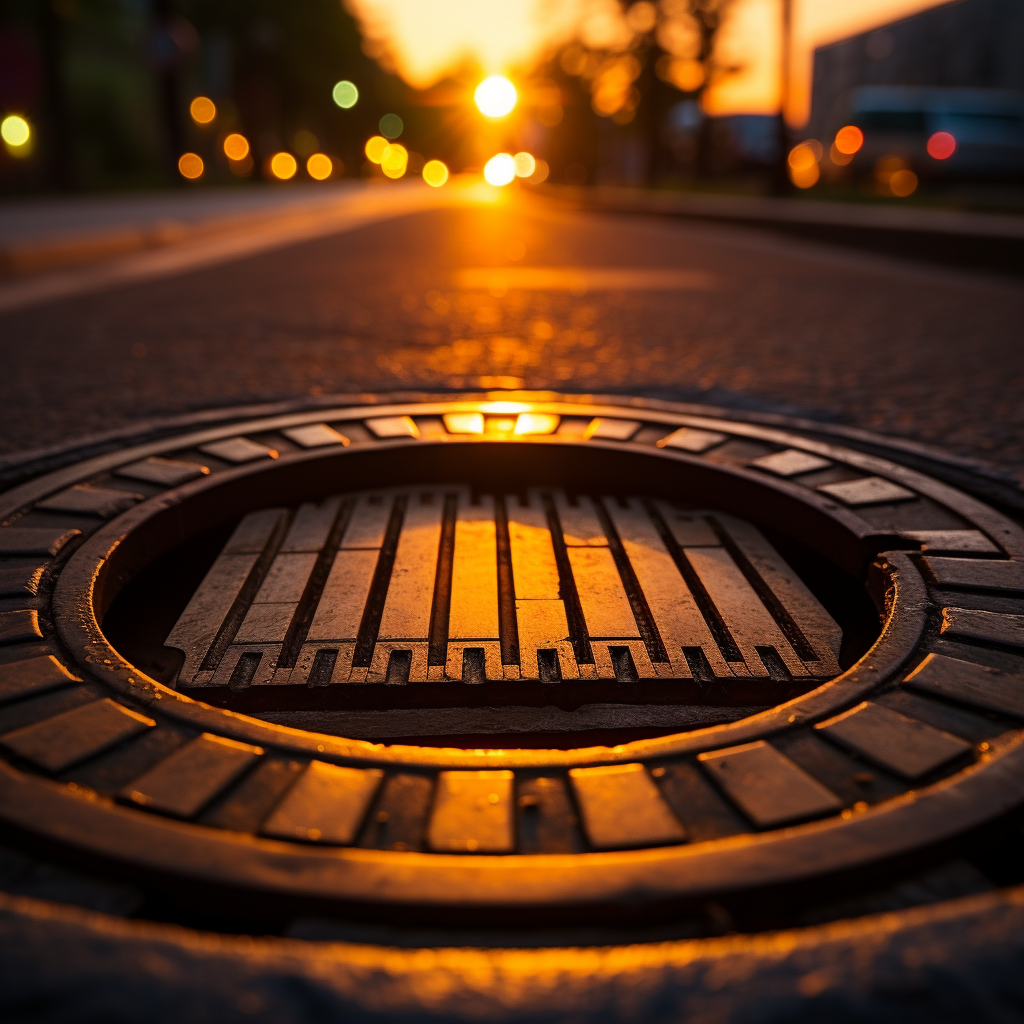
column 728, row 315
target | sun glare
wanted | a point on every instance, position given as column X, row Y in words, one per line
column 500, row 169
column 495, row 96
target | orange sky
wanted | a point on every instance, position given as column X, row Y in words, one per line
column 429, row 38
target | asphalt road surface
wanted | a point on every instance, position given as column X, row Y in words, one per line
column 584, row 302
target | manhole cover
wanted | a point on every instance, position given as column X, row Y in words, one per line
column 485, row 660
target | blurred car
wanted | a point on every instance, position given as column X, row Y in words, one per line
column 986, row 126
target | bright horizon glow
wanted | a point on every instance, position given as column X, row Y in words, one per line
column 495, row 96
column 424, row 42
column 500, row 169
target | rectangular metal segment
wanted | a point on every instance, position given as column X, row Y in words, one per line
column 675, row 612
column 252, row 534
column 963, row 681
column 406, row 613
column 821, row 631
column 164, row 472
column 21, row 581
column 30, row 676
column 769, row 788
column 94, row 501
column 238, row 450
column 19, row 625
column 869, row 490
column 606, row 608
column 326, row 805
column 344, row 597
column 623, row 807
column 690, row 529
column 474, row 605
column 973, row 541
column 34, row 540
column 198, row 625
column 312, row 524
column 184, row 783
column 901, row 744
column 988, row 627
column 581, row 526
column 473, row 813
column 369, row 521
column 748, row 620
column 977, row 573
column 59, row 742
column 534, row 569
column 543, row 627
column 314, row 435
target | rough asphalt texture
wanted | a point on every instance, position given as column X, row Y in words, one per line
column 790, row 326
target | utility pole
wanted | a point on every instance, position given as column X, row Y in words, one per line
column 781, row 175
column 57, row 139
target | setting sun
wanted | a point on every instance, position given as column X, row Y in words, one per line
column 495, row 96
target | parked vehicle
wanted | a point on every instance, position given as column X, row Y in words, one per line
column 986, row 126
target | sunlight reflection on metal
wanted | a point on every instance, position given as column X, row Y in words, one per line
column 536, row 423
column 464, row 422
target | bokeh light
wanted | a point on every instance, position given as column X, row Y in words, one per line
column 345, row 94
column 540, row 173
column 500, row 169
column 435, row 173
column 394, row 160
column 375, row 147
column 903, row 183
column 236, row 147
column 190, row 165
column 941, row 146
column 391, row 126
column 319, row 166
column 202, row 109
column 283, row 166
column 849, row 140
column 15, row 130
column 803, row 164
column 525, row 164
column 495, row 96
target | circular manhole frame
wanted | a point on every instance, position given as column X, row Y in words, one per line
column 975, row 794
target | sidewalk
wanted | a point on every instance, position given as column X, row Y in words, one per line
column 981, row 241
column 54, row 247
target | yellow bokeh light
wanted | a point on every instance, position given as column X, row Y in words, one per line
column 536, row 423
column 500, row 169
column 803, row 164
column 190, row 165
column 319, row 166
column 236, row 147
column 283, row 166
column 394, row 160
column 525, row 164
column 495, row 96
column 202, row 109
column 435, row 173
column 375, row 148
column 15, row 130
